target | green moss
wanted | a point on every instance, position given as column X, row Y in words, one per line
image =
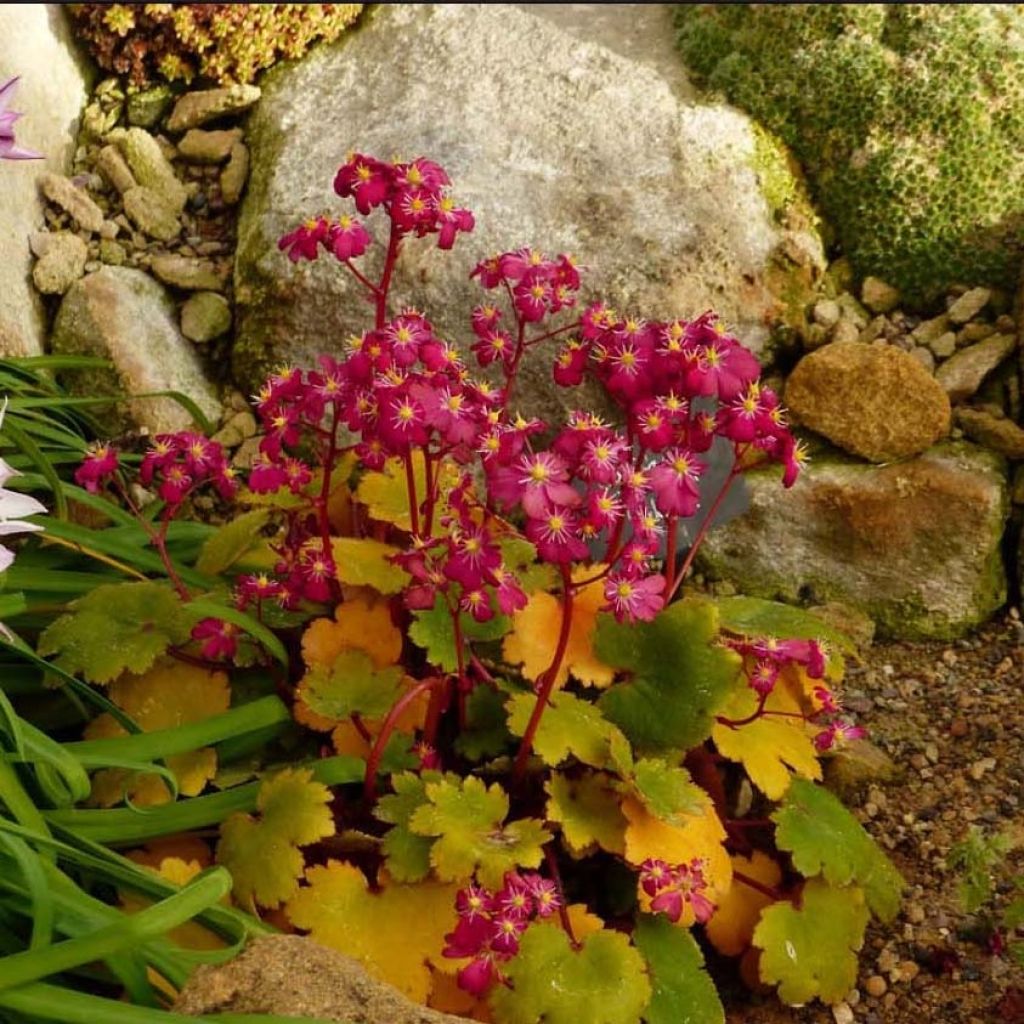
column 908, row 119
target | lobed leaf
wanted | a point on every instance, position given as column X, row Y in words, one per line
column 408, row 854
column 731, row 927
column 667, row 791
column 811, row 950
column 824, row 838
column 350, row 686
column 486, row 733
column 434, row 631
column 588, row 811
column 232, row 542
column 362, row 624
column 364, row 562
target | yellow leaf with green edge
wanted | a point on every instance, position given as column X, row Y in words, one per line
column 587, row 811
column 264, row 854
column 811, row 950
column 118, row 627
column 700, row 835
column 683, row 991
column 232, row 542
column 770, row 748
column 824, row 838
column 679, row 676
column 364, row 562
column 535, row 628
column 467, row 819
column 362, row 623
column 738, row 910
column 168, row 695
column 433, row 629
column 667, row 790
column 602, row 982
column 350, row 686
column 394, row 933
column 569, row 727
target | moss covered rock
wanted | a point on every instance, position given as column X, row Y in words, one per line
column 908, row 118
column 915, row 545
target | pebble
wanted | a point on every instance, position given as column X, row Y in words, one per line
column 958, row 728
column 75, row 201
column 878, row 296
column 929, row 330
column 63, row 263
column 969, row 305
column 962, row 375
column 151, row 213
column 842, row 1013
column 115, row 169
column 844, row 332
column 205, row 147
column 826, row 312
column 979, row 768
column 924, row 357
column 197, row 108
column 188, row 274
column 944, row 345
column 876, row 986
column 234, row 175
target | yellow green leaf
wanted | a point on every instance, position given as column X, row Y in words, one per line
column 168, row 695
column 395, row 933
column 666, row 790
column 588, row 812
column 569, row 726
column 467, row 820
column 232, row 542
column 738, row 910
column 385, row 492
column 350, row 686
column 434, row 631
column 263, row 854
column 364, row 562
column 408, row 854
column 811, row 950
column 770, row 748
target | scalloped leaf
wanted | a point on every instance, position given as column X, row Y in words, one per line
column 587, row 811
column 362, row 623
column 118, row 627
column 263, row 854
column 569, row 727
column 393, row 933
column 603, row 982
column 350, row 686
column 408, row 854
column 772, row 748
column 812, row 950
column 683, row 991
column 824, row 838
column 434, row 631
column 364, row 562
column 486, row 733
column 679, row 677
column 535, row 628
column 520, row 557
column 731, row 927
column 168, row 695
column 467, row 820
column 385, row 492
column 232, row 542
column 667, row 791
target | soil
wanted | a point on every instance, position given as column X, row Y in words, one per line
column 950, row 717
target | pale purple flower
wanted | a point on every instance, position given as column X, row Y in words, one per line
column 9, row 149
column 14, row 507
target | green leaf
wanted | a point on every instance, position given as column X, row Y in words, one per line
column 520, row 557
column 568, row 727
column 117, row 627
column 408, row 854
column 680, row 678
column 231, row 542
column 351, row 685
column 434, row 631
column 683, row 992
column 668, row 792
column 976, row 857
column 467, row 819
column 604, row 982
column 589, row 812
column 486, row 733
column 824, row 838
column 812, row 950
column 364, row 562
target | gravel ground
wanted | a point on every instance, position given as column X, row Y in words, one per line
column 951, row 719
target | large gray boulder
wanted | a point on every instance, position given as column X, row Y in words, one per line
column 916, row 545
column 52, row 91
column 124, row 315
column 551, row 139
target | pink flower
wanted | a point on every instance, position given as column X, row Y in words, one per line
column 366, row 180
column 219, row 639
column 100, row 463
column 266, row 476
column 259, row 587
column 347, row 239
column 674, row 481
column 632, row 599
column 176, row 485
column 450, row 221
column 557, row 535
column 837, row 734
column 304, row 242
column 9, row 149
column 478, row 976
column 543, row 478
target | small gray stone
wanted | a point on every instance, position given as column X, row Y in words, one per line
column 61, row 265
column 975, row 331
column 203, row 147
column 151, row 213
column 187, row 273
column 995, row 432
column 851, row 309
column 197, row 108
column 152, row 169
column 112, row 252
column 77, row 202
column 944, row 345
column 969, row 305
column 844, row 332
column 878, row 296
column 962, row 374
column 114, row 168
column 39, row 242
column 927, row 331
column 147, row 107
column 826, row 313
column 924, row 357
column 110, row 229
column 234, row 175
column 874, row 330
column 205, row 316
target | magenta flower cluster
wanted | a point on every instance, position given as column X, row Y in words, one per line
column 491, row 923
column 674, row 887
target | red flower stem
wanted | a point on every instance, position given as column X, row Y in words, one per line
column 360, row 727
column 410, row 486
column 362, row 279
column 160, row 540
column 325, row 487
column 749, row 823
column 563, row 910
column 551, row 334
column 702, row 533
column 481, row 669
column 373, row 761
column 394, row 242
column 429, row 500
column 547, row 681
column 671, row 538
column 735, row 723
column 766, row 890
